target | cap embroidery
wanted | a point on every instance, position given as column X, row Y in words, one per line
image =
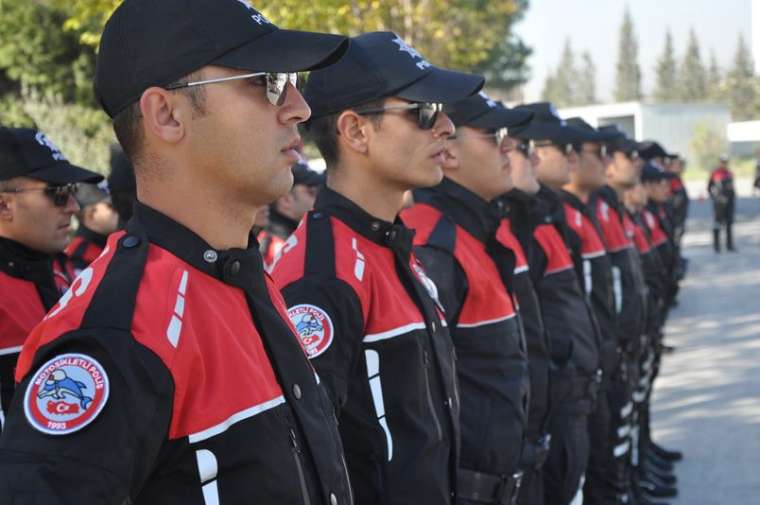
column 255, row 15
column 46, row 142
column 412, row 52
column 489, row 101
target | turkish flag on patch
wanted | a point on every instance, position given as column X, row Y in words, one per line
column 62, row 408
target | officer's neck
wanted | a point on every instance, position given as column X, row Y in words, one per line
column 581, row 193
column 377, row 195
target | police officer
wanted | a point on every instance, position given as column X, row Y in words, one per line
column 286, row 212
column 608, row 469
column 97, row 219
column 363, row 306
column 37, row 184
column 456, row 239
column 169, row 372
column 721, row 190
column 572, row 330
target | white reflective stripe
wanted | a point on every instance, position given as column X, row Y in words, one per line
column 624, row 430
column 588, row 283
column 174, row 329
column 638, row 396
column 485, row 323
column 592, row 255
column 2, row 419
column 208, row 468
column 617, row 288
column 376, row 389
column 626, row 410
column 622, row 449
column 395, row 332
column 519, row 270
column 10, row 350
column 183, row 283
column 578, row 498
column 211, row 494
column 235, row 418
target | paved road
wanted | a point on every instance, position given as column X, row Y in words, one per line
column 707, row 400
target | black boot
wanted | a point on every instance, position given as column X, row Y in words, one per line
column 716, row 239
column 730, row 236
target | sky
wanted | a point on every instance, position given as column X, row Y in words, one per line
column 594, row 26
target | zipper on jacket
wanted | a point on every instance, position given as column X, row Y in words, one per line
column 426, row 364
column 296, row 451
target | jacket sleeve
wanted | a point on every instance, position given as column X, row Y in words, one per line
column 449, row 277
column 107, row 461
column 339, row 325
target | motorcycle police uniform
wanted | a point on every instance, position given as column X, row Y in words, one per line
column 169, row 372
column 456, row 240
column 364, row 307
column 721, row 190
column 30, row 281
column 87, row 244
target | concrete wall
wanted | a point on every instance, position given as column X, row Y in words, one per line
column 673, row 124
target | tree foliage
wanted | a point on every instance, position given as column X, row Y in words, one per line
column 742, row 86
column 572, row 83
column 692, row 75
column 707, row 144
column 628, row 71
column 666, row 72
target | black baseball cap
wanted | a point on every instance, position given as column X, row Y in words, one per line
column 547, row 125
column 25, row 152
column 650, row 149
column 304, row 175
column 651, row 172
column 593, row 135
column 379, row 65
column 620, row 141
column 480, row 111
column 156, row 42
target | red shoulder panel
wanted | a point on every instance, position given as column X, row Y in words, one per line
column 637, row 234
column 612, row 230
column 554, row 248
column 505, row 236
column 20, row 310
column 658, row 234
column 591, row 243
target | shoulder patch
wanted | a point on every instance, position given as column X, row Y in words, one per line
column 314, row 327
column 66, row 394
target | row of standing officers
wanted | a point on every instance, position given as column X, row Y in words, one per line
column 494, row 340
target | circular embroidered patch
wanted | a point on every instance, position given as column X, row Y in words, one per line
column 66, row 394
column 314, row 327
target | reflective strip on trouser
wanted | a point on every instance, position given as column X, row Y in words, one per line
column 578, row 498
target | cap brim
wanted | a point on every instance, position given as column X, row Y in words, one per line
column 286, row 51
column 65, row 173
column 554, row 132
column 442, row 86
column 501, row 118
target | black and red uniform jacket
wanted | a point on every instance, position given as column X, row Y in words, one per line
column 456, row 241
column 656, row 224
column 720, row 186
column 30, row 284
column 202, row 392
column 84, row 248
column 567, row 317
column 679, row 203
column 519, row 210
column 628, row 284
column 272, row 239
column 366, row 313
column 594, row 267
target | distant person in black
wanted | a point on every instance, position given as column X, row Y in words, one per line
column 721, row 190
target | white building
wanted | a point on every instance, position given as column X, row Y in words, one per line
column 671, row 124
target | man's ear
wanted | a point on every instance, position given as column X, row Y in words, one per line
column 354, row 131
column 165, row 114
column 6, row 208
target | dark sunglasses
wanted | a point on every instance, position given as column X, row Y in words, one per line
column 525, row 148
column 276, row 83
column 427, row 113
column 59, row 194
column 498, row 135
column 600, row 152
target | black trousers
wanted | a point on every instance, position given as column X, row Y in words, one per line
column 568, row 457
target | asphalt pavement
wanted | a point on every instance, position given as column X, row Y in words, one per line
column 707, row 399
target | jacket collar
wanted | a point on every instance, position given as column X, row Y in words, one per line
column 394, row 235
column 20, row 261
column 237, row 266
column 468, row 210
column 92, row 236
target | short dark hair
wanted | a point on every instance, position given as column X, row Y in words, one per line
column 323, row 131
column 126, row 124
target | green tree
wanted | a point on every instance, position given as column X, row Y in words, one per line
column 586, row 82
column 692, row 78
column 742, row 86
column 707, row 144
column 666, row 72
column 715, row 85
column 628, row 72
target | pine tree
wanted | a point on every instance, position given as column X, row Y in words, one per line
column 566, row 76
column 692, row 79
column 666, row 70
column 628, row 78
column 741, row 84
column 586, row 81
column 715, row 87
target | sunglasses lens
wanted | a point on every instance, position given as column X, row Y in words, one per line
column 428, row 114
column 277, row 86
column 60, row 194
